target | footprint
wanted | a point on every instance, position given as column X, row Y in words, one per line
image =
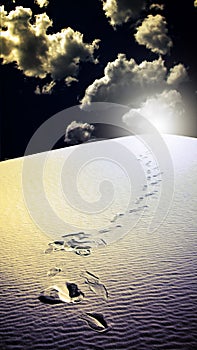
column 104, row 230
column 54, row 271
column 56, row 246
column 98, row 289
column 50, row 296
column 57, row 243
column 148, row 163
column 134, row 210
column 155, row 175
column 79, row 234
column 95, row 321
column 114, row 218
column 83, row 251
column 67, row 293
column 149, row 194
column 89, row 276
column 101, row 242
column 49, row 250
column 95, row 285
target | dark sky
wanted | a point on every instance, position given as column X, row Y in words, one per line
column 23, row 111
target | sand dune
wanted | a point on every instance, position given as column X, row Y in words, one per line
column 138, row 288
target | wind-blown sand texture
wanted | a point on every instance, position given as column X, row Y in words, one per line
column 139, row 292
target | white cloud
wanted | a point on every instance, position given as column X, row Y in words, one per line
column 165, row 111
column 153, row 34
column 70, row 80
column 121, row 11
column 77, row 132
column 46, row 89
column 37, row 53
column 125, row 81
column 177, row 75
column 157, row 7
column 42, row 3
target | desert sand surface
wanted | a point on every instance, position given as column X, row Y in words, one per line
column 108, row 282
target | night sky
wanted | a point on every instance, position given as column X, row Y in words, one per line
column 132, row 35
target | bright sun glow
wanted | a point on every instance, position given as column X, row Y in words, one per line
column 165, row 111
column 159, row 114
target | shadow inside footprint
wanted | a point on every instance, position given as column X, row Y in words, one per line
column 73, row 290
column 51, row 297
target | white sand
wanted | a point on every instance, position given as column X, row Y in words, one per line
column 150, row 277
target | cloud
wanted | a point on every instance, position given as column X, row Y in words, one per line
column 70, row 80
column 157, row 7
column 77, row 132
column 153, row 34
column 177, row 75
column 46, row 89
column 24, row 41
column 125, row 81
column 165, row 111
column 42, row 3
column 121, row 11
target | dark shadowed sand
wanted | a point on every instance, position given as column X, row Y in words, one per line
column 136, row 293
